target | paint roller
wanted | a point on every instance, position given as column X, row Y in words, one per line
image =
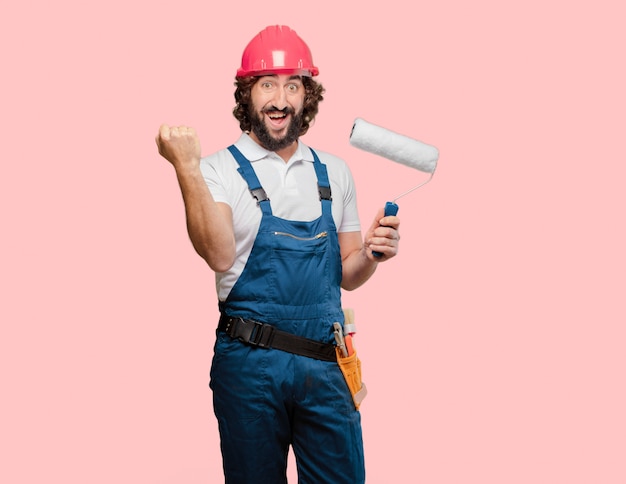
column 395, row 147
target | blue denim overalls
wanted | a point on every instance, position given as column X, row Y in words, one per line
column 267, row 399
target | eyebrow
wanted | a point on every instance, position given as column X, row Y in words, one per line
column 291, row 78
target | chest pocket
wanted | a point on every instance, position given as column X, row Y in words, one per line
column 298, row 266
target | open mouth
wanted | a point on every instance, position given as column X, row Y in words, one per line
column 277, row 115
column 277, row 118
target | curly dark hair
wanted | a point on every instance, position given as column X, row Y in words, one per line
column 313, row 95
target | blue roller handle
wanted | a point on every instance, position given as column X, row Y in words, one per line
column 391, row 208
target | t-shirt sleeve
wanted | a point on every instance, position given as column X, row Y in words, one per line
column 350, row 220
column 213, row 180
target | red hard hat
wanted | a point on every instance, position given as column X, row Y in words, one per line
column 277, row 50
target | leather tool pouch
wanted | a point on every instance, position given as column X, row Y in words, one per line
column 351, row 368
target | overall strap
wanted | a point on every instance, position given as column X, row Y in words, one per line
column 323, row 184
column 254, row 185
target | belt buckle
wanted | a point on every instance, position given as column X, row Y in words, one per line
column 263, row 335
column 255, row 333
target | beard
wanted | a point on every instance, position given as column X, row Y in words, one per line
column 269, row 142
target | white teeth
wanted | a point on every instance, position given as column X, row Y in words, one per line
column 277, row 115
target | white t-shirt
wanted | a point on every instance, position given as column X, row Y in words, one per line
column 291, row 188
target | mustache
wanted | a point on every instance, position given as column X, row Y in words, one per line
column 274, row 109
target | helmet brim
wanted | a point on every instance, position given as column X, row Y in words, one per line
column 311, row 72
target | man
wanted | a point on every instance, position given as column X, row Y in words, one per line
column 278, row 223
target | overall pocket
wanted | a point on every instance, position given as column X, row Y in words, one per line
column 298, row 266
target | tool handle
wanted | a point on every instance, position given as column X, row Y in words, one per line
column 391, row 208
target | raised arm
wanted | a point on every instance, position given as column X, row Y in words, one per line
column 209, row 223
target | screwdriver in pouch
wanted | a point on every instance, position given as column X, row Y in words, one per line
column 341, row 344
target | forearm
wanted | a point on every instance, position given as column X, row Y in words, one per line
column 358, row 260
column 209, row 224
column 357, row 268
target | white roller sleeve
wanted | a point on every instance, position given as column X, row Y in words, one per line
column 394, row 146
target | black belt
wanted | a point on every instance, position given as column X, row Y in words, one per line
column 264, row 335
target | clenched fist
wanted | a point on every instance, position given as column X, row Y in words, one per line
column 179, row 145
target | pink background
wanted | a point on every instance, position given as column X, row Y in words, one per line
column 493, row 346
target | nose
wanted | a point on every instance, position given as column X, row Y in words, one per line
column 280, row 99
